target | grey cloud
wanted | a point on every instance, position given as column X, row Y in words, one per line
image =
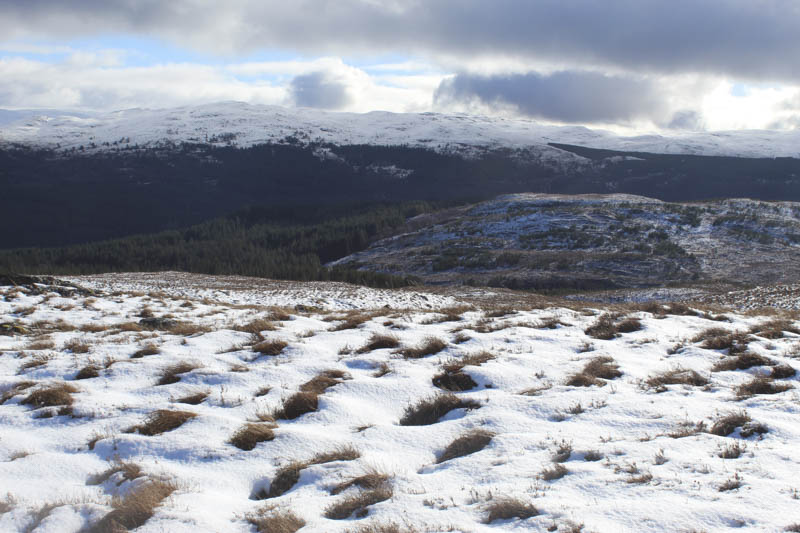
column 318, row 89
column 564, row 96
column 686, row 119
column 745, row 38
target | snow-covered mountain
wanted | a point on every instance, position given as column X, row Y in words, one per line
column 246, row 125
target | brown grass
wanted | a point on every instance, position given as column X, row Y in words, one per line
column 249, row 435
column 760, row 385
column 161, row 421
column 723, row 339
column 41, row 345
column 727, row 424
column 742, row 361
column 557, row 471
column 195, row 398
column 429, row 346
column 471, row 442
column 93, row 328
column 782, row 372
column 271, row 520
column 130, row 327
column 379, row 342
column 51, row 396
column 508, row 508
column 172, row 373
column 34, row 362
column 270, row 347
column 389, row 527
column 357, row 504
column 475, row 359
column 675, row 376
column 429, row 410
column 731, row 484
column 14, row 390
column 88, row 372
column 129, row 471
column 370, row 480
column 323, row 381
column 594, row 371
column 147, row 349
column 352, row 320
column 604, row 328
column 287, row 476
column 454, row 381
column 135, row 508
column 188, row 329
column 77, row 346
column 297, row 405
column 775, row 329
column 255, row 327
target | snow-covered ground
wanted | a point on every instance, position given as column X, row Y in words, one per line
column 245, row 125
column 634, row 457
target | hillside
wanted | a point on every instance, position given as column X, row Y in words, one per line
column 187, row 403
column 539, row 241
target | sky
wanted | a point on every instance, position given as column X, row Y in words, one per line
column 641, row 65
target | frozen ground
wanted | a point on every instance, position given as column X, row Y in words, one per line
column 636, row 453
column 245, row 125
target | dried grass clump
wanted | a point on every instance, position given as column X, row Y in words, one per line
column 454, row 381
column 357, row 504
column 88, row 372
column 297, row 405
column 249, row 435
column 732, row 451
column 723, row 339
column 379, row 342
column 742, row 361
column 370, row 480
column 195, row 398
column 687, row 429
column 775, row 329
column 352, row 320
column 135, row 508
column 604, row 328
column 147, row 349
column 271, row 520
column 727, row 424
column 172, row 373
column 40, row 345
column 270, row 347
column 594, row 372
column 288, row 475
column 93, row 328
column 429, row 410
column 760, row 385
column 77, row 346
column 469, row 443
column 731, row 484
column 14, row 390
column 255, row 327
column 675, row 376
column 782, row 372
column 390, row 527
column 429, row 346
column 51, row 396
column 323, row 381
column 129, row 471
column 34, row 362
column 508, row 508
column 161, row 421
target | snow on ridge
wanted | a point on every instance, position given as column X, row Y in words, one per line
column 244, row 124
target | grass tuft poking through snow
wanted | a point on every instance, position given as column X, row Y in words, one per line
column 161, row 421
column 429, row 410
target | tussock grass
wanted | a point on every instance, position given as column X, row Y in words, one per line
column 270, row 347
column 88, row 372
column 378, row 342
column 390, row 527
column 429, row 410
column 370, row 480
column 723, row 339
column 128, row 470
column 172, row 373
column 596, row 370
column 256, row 326
column 775, row 329
column 323, row 381
column 508, row 508
column 675, row 376
column 288, row 475
column 147, row 349
column 34, row 362
column 40, row 345
column 14, row 390
column 194, row 398
column 732, row 451
column 727, row 424
column 297, row 405
column 469, row 443
column 357, row 504
column 351, row 320
column 782, row 372
column 161, row 421
column 249, row 435
column 742, row 361
column 272, row 520
column 135, row 508
column 77, row 346
column 429, row 346
column 608, row 326
column 732, row 483
column 57, row 395
column 760, row 385
column 454, row 381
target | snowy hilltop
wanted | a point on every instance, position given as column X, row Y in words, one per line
column 243, row 124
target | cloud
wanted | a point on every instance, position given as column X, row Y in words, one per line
column 753, row 39
column 319, row 89
column 686, row 119
column 568, row 96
